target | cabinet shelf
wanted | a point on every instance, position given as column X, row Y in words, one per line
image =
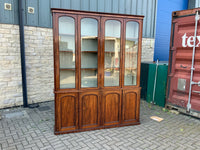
column 88, row 51
column 71, row 69
column 130, row 52
column 89, row 37
column 88, row 68
column 130, row 68
column 111, row 68
column 132, row 39
column 69, row 35
column 117, row 68
column 69, row 51
column 111, row 52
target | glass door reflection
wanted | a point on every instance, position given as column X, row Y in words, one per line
column 67, row 52
column 131, row 53
column 89, row 52
column 112, row 53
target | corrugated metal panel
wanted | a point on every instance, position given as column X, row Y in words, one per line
column 42, row 16
column 32, row 19
column 108, row 5
column 93, row 5
column 85, row 5
column 153, row 17
column 144, row 12
column 64, row 4
column 56, row 4
column 197, row 3
column 128, row 6
column 116, row 6
column 121, row 7
column 9, row 16
column 44, row 13
column 191, row 4
column 16, row 20
column 134, row 7
column 76, row 4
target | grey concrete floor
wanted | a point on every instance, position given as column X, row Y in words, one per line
column 24, row 128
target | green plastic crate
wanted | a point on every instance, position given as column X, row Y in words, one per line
column 161, row 83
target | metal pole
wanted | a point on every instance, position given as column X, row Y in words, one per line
column 192, row 67
column 22, row 50
column 154, row 87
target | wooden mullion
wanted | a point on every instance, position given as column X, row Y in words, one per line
column 78, row 44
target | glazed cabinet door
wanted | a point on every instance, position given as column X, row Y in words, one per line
column 112, row 51
column 111, row 107
column 66, row 112
column 67, row 50
column 89, row 51
column 89, row 110
column 132, row 53
column 131, row 103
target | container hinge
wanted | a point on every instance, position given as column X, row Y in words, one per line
column 196, row 92
column 197, row 83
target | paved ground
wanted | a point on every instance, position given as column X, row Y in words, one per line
column 33, row 129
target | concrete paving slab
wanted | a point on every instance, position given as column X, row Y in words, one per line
column 25, row 128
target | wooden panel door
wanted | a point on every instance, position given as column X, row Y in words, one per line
column 89, row 112
column 111, row 107
column 131, row 103
column 67, row 111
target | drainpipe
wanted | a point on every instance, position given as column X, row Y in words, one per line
column 22, row 50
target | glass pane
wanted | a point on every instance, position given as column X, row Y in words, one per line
column 67, row 52
column 112, row 53
column 89, row 52
column 131, row 52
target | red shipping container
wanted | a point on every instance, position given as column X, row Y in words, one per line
column 183, row 89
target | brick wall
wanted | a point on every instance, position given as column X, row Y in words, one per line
column 39, row 64
column 10, row 68
column 147, row 49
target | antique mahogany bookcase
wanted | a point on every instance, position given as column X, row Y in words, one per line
column 96, row 70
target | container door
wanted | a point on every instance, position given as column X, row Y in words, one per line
column 180, row 64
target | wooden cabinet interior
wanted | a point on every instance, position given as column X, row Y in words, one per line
column 96, row 70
